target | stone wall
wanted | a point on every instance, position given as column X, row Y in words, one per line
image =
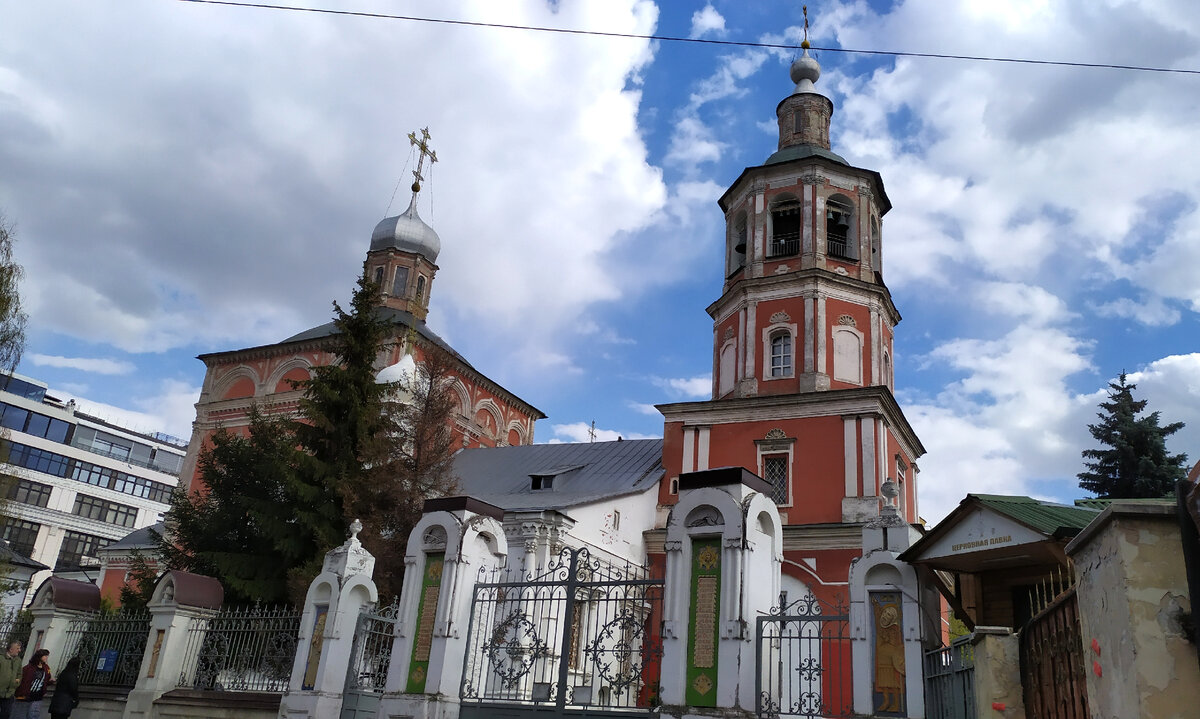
column 1133, row 606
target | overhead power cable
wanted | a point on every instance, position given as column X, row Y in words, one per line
column 703, row 41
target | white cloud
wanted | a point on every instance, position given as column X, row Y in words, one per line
column 583, row 432
column 84, row 364
column 693, row 144
column 707, row 21
column 644, row 408
column 227, row 186
column 698, row 387
column 1153, row 311
column 171, row 409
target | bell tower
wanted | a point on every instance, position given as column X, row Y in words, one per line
column 804, row 307
column 404, row 249
column 802, row 345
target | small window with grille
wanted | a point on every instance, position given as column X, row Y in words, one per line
column 775, row 471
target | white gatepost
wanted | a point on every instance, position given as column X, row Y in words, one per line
column 55, row 604
column 331, row 608
column 724, row 549
column 885, row 619
column 177, row 600
column 456, row 540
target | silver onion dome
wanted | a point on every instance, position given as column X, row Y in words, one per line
column 407, row 232
column 805, row 71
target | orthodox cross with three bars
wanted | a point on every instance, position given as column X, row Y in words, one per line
column 422, row 145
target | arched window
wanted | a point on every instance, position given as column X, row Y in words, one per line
column 420, row 289
column 379, row 276
column 840, row 241
column 738, row 240
column 785, row 228
column 400, row 282
column 726, row 373
column 781, row 354
column 847, row 355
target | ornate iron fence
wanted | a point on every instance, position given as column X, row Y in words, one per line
column 582, row 634
column 372, row 653
column 109, row 646
column 16, row 627
column 241, row 649
column 950, row 681
column 804, row 660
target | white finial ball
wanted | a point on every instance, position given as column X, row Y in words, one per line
column 805, row 71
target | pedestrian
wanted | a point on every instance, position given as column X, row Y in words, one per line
column 66, row 691
column 35, row 676
column 10, row 677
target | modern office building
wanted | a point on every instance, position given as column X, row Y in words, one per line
column 74, row 482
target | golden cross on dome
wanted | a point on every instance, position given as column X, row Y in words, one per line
column 422, row 145
column 805, row 44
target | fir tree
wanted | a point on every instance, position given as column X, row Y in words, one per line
column 1133, row 461
column 372, row 451
column 237, row 525
column 139, row 587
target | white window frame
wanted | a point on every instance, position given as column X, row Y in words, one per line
column 768, row 334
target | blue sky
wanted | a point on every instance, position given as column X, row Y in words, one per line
column 188, row 178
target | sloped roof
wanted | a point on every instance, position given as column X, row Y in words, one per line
column 1101, row 503
column 7, row 555
column 138, row 539
column 389, row 314
column 1046, row 517
column 583, row 472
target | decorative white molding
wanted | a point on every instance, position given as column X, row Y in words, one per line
column 847, row 320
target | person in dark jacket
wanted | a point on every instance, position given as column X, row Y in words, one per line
column 66, row 691
column 35, row 677
column 10, row 677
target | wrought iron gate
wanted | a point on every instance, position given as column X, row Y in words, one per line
column 950, row 681
column 370, row 657
column 804, row 660
column 581, row 636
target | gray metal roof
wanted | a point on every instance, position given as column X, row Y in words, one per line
column 389, row 314
column 7, row 555
column 138, row 539
column 583, row 473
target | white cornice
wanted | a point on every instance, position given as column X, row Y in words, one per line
column 857, row 401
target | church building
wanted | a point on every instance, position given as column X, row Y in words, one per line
column 402, row 260
column 802, row 350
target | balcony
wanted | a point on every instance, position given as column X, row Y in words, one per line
column 836, row 246
column 124, row 457
column 784, row 244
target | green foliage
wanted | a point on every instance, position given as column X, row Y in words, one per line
column 1133, row 460
column 278, row 497
column 367, row 455
column 12, row 318
column 12, row 344
column 238, row 527
column 139, row 586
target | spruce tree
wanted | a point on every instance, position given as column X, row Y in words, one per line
column 237, row 524
column 1133, row 460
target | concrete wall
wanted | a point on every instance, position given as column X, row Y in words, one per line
column 1133, row 598
column 997, row 673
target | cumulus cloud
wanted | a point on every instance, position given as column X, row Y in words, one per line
column 235, row 176
column 698, row 387
column 707, row 21
column 584, row 432
column 170, row 409
column 92, row 365
column 1153, row 311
